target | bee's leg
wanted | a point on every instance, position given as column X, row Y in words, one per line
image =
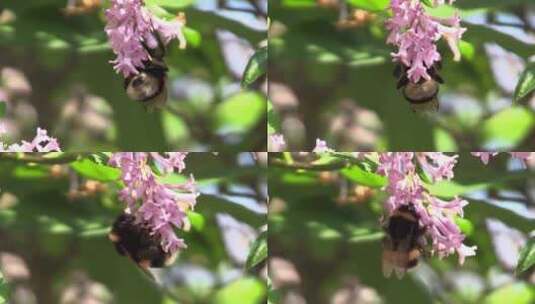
column 398, row 70
column 159, row 51
column 120, row 249
column 400, row 272
column 161, row 46
column 403, row 81
column 433, row 72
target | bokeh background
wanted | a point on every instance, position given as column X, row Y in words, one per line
column 55, row 74
column 54, row 220
column 325, row 236
column 331, row 78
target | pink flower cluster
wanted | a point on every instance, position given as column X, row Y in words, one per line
column 415, row 33
column 41, row 143
column 321, row 147
column 276, row 143
column 485, row 156
column 161, row 206
column 437, row 216
column 130, row 24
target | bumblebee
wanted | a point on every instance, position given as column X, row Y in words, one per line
column 421, row 95
column 135, row 241
column 149, row 86
column 404, row 241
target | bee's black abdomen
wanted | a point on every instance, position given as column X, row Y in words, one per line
column 399, row 227
column 136, row 241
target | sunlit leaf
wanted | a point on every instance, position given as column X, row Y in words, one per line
column 363, row 177
column 518, row 293
column 92, row 170
column 258, row 251
column 273, row 119
column 371, row 5
column 256, row 67
column 247, row 290
column 508, row 128
column 197, row 220
column 171, row 3
column 240, row 112
column 526, row 83
column 3, row 290
column 527, row 257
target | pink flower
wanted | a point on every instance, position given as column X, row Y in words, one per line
column 485, row 156
column 321, row 147
column 41, row 143
column 415, row 34
column 439, row 166
column 522, row 155
column 276, row 143
column 159, row 205
column 130, row 24
column 436, row 215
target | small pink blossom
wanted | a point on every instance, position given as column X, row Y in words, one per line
column 438, row 165
column 485, row 156
column 130, row 24
column 321, row 147
column 161, row 206
column 276, row 143
column 522, row 155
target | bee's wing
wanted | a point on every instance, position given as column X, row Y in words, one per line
column 402, row 257
column 429, row 107
column 388, row 257
column 388, row 267
column 159, row 102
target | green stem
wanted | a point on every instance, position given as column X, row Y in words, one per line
column 42, row 158
column 288, row 157
column 339, row 164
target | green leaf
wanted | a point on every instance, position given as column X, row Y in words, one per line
column 193, row 37
column 92, row 170
column 258, row 251
column 273, row 119
column 465, row 225
column 449, row 189
column 508, row 128
column 526, row 83
column 527, row 257
column 174, row 4
column 370, row 5
column 197, row 220
column 256, row 67
column 2, row 108
column 240, row 112
column 363, row 177
column 427, row 3
column 518, row 293
column 244, row 291
column 3, row 290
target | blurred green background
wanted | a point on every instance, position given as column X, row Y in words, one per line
column 54, row 220
column 325, row 236
column 331, row 78
column 55, row 74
